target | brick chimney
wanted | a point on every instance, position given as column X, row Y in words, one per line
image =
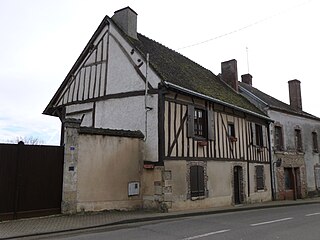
column 295, row 94
column 229, row 73
column 246, row 78
column 126, row 19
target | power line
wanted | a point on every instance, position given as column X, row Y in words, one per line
column 245, row 27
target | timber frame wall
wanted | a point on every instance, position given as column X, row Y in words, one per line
column 177, row 145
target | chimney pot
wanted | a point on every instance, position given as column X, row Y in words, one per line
column 229, row 73
column 247, row 78
column 295, row 94
column 126, row 19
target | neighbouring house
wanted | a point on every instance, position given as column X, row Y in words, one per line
column 145, row 127
column 294, row 137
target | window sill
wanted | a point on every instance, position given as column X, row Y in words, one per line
column 199, row 138
column 197, row 198
column 261, row 190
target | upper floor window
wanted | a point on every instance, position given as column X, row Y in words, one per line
column 199, row 123
column 315, row 141
column 231, row 130
column 298, row 140
column 278, row 138
column 259, row 135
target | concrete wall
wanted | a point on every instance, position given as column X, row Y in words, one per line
column 105, row 167
column 289, row 123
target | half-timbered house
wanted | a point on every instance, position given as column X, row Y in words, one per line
column 294, row 141
column 144, row 126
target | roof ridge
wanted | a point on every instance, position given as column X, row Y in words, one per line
column 289, row 108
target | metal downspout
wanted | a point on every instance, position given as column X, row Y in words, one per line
column 271, row 165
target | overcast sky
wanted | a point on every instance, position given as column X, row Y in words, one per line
column 41, row 40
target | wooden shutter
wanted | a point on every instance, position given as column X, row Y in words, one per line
column 197, row 186
column 260, row 177
column 253, row 134
column 194, row 181
column 190, row 121
column 201, row 190
column 264, row 136
column 210, row 116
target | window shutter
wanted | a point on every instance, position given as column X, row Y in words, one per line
column 264, row 134
column 260, row 177
column 201, row 191
column 253, row 134
column 197, row 186
column 194, row 181
column 190, row 121
column 210, row 115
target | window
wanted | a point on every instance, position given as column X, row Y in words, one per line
column 259, row 135
column 288, row 177
column 315, row 141
column 260, row 177
column 199, row 123
column 298, row 140
column 278, row 139
column 231, row 131
column 197, row 185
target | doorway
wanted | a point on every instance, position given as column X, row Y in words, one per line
column 238, row 184
column 292, row 183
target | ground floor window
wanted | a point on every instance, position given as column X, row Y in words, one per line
column 260, row 177
column 288, row 177
column 197, row 183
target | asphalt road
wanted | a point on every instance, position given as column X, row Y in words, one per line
column 290, row 223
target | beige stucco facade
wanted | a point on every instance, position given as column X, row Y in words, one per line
column 98, row 171
column 219, row 184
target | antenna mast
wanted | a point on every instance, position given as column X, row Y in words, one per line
column 247, row 58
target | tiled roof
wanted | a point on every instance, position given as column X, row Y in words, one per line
column 175, row 68
column 274, row 103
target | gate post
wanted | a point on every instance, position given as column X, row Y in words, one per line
column 70, row 178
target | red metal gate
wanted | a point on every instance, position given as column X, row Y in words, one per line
column 30, row 180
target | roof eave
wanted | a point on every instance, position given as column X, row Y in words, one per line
column 49, row 110
column 188, row 91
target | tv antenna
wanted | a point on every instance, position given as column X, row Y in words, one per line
column 247, row 50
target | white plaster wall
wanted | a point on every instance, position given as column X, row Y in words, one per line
column 307, row 126
column 129, row 114
column 78, row 107
column 122, row 77
column 72, row 110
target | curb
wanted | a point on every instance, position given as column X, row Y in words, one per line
column 169, row 216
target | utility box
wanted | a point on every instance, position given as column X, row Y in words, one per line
column 133, row 188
